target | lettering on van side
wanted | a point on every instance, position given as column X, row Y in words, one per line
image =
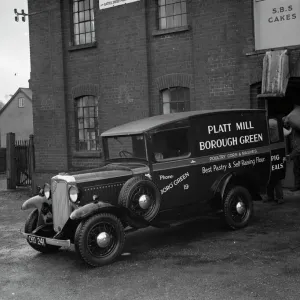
column 230, row 141
column 233, row 164
column 277, row 166
column 174, row 183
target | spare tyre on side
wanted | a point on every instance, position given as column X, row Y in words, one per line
column 142, row 197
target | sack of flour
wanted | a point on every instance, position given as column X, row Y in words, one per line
column 293, row 118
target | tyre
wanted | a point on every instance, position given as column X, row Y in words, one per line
column 238, row 207
column 100, row 239
column 30, row 226
column 141, row 196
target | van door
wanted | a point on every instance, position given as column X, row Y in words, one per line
column 171, row 166
column 277, row 149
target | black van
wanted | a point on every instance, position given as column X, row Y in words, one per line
column 159, row 171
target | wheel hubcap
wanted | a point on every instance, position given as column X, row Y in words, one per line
column 144, row 201
column 240, row 207
column 103, row 239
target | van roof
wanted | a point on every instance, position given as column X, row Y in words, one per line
column 146, row 124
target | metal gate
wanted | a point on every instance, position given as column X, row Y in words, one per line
column 23, row 161
column 2, row 160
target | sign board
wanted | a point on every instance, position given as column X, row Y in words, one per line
column 103, row 4
column 276, row 23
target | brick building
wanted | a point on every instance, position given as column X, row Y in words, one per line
column 92, row 68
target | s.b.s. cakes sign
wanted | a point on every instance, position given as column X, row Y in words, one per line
column 276, row 23
column 111, row 3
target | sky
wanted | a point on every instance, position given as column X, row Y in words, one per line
column 14, row 49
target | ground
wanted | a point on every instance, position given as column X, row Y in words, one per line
column 201, row 260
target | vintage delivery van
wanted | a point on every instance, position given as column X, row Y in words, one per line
column 159, row 171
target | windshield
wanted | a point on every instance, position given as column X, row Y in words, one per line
column 126, row 147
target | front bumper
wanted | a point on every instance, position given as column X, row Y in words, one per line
column 49, row 241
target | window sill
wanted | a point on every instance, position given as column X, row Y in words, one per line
column 84, row 46
column 87, row 154
column 171, row 30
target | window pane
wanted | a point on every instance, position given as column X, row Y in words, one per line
column 169, row 10
column 75, row 6
column 162, row 11
column 86, row 112
column 75, row 16
column 86, row 134
column 88, row 37
column 79, row 102
column 81, row 16
column 81, row 28
column 87, row 26
column 92, row 14
column 92, row 123
column 163, row 23
column 86, row 123
column 80, row 123
column 87, row 15
column 86, row 4
column 81, row 135
column 92, row 26
column 166, row 95
column 166, row 108
column 183, row 7
column 170, row 22
column 184, row 20
column 80, row 112
column 82, row 145
column 177, row 9
column 177, row 21
column 91, row 3
column 92, row 112
column 76, row 40
column 76, row 29
column 92, row 135
column 170, row 1
column 161, row 2
column 81, row 8
column 93, row 37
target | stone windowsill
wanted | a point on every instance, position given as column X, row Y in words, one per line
column 84, row 46
column 171, row 30
column 87, row 154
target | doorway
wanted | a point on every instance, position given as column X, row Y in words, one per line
column 280, row 107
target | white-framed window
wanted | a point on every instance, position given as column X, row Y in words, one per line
column 83, row 22
column 175, row 99
column 172, row 13
column 21, row 102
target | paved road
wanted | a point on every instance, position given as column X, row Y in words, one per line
column 201, row 260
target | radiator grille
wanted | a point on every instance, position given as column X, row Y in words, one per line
column 61, row 208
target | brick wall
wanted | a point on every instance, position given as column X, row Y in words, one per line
column 47, row 83
column 131, row 63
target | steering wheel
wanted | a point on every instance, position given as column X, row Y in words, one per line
column 125, row 153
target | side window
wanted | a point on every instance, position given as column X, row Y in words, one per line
column 170, row 145
column 274, row 130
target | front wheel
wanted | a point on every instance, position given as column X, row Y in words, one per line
column 238, row 207
column 100, row 239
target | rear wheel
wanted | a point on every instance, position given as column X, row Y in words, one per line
column 30, row 226
column 238, row 207
column 100, row 239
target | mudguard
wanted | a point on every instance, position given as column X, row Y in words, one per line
column 35, row 202
column 94, row 208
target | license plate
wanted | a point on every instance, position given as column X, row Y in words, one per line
column 37, row 240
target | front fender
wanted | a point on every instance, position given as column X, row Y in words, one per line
column 91, row 209
column 35, row 202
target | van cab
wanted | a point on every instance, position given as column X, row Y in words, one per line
column 159, row 171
